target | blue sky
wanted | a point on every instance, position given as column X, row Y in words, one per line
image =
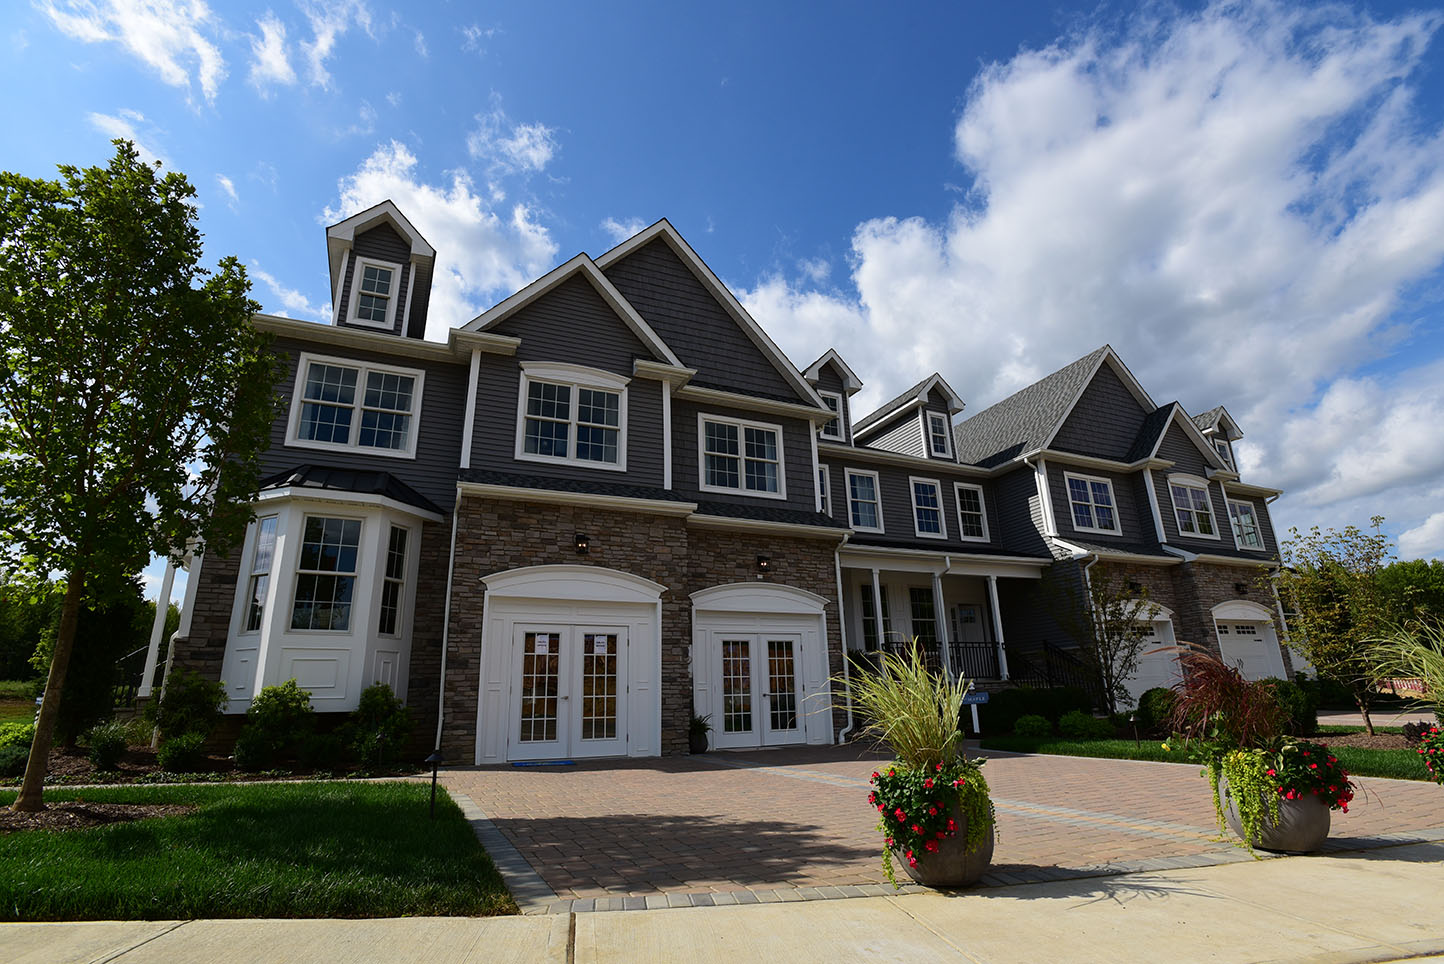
column 1244, row 199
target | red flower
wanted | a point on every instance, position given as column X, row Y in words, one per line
column 951, row 824
column 931, row 846
column 928, row 783
column 940, row 835
column 917, row 829
column 1313, row 766
column 1271, row 773
column 874, row 775
column 889, row 841
column 899, row 814
column 1306, row 753
column 932, row 811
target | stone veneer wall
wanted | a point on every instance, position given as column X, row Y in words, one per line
column 204, row 648
column 495, row 536
column 425, row 669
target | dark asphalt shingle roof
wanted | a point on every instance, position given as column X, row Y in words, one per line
column 1154, row 425
column 1209, row 418
column 588, row 486
column 951, row 547
column 1023, row 420
column 888, row 407
column 768, row 513
column 364, row 481
column 1136, row 548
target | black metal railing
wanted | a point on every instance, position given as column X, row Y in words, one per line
column 1052, row 666
column 129, row 674
column 975, row 660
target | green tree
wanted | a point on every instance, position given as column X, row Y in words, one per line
column 26, row 609
column 1108, row 620
column 135, row 396
column 1414, row 589
column 1332, row 581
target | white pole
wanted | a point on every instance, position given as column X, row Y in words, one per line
column 157, row 629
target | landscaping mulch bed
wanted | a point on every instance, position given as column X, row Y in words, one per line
column 138, row 765
column 79, row 814
column 1362, row 740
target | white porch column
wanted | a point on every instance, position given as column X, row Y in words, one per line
column 998, row 625
column 157, row 628
column 940, row 619
column 877, row 611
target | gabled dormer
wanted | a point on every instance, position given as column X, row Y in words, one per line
column 918, row 422
column 1222, row 431
column 835, row 383
column 381, row 270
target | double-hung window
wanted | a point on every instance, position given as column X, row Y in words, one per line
column 940, row 441
column 824, row 489
column 393, row 582
column 972, row 512
column 343, row 404
column 1193, row 509
column 1221, row 447
column 259, row 583
column 573, row 414
column 924, row 615
column 373, row 298
column 832, row 429
column 928, row 508
column 864, row 502
column 1246, row 532
column 1094, row 509
column 738, row 456
column 326, row 575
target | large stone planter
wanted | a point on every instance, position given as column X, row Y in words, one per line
column 951, row 865
column 1302, row 828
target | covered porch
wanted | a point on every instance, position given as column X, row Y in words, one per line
column 946, row 605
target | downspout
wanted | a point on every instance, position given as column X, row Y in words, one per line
column 446, row 621
column 842, row 629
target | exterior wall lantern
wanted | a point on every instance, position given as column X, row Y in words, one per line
column 1241, row 588
column 764, row 565
column 584, row 543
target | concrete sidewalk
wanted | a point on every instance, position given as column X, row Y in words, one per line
column 1379, row 905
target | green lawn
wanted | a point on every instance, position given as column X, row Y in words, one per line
column 1399, row 764
column 273, row 850
column 17, row 711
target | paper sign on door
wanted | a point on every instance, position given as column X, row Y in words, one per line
column 542, row 646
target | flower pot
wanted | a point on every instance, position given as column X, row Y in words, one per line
column 951, row 865
column 1302, row 827
column 697, row 742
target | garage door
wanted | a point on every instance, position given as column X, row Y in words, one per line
column 1158, row 663
column 1252, row 646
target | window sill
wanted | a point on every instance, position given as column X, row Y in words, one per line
column 299, row 443
column 619, row 466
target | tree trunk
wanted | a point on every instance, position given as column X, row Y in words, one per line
column 1364, row 712
column 31, row 790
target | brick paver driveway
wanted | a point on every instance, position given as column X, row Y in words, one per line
column 799, row 818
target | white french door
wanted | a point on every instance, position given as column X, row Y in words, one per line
column 569, row 691
column 759, row 683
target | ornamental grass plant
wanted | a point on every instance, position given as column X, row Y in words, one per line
column 921, row 794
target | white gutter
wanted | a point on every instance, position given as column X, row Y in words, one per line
column 446, row 621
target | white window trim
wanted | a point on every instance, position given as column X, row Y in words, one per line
column 825, row 505
column 742, row 425
column 357, row 615
column 359, row 266
column 1226, row 454
column 947, row 451
column 1253, row 510
column 575, row 376
column 293, row 428
column 1117, row 530
column 876, row 490
column 913, row 480
column 1198, row 485
column 982, row 504
column 841, row 435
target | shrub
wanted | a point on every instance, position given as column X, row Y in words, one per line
column 278, row 719
column 1004, row 708
column 17, row 734
column 1033, row 725
column 1413, row 732
column 182, row 754
column 190, row 703
column 13, row 759
column 1301, row 706
column 21, row 689
column 380, row 726
column 107, row 744
column 1155, row 709
column 1077, row 725
column 322, row 751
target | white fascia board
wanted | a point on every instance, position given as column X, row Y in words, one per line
column 292, row 493
column 851, row 383
column 1234, row 561
column 856, row 455
column 762, row 525
column 1108, row 555
column 463, row 342
column 955, row 401
column 1093, row 461
column 559, row 497
column 583, row 264
column 724, row 296
column 347, row 230
column 381, row 342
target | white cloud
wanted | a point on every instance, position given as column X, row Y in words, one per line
column 474, row 37
column 294, row 303
column 330, row 20
column 171, row 36
column 229, row 187
column 130, row 125
column 1234, row 198
column 272, row 63
column 512, row 148
column 394, row 98
column 419, row 42
column 620, row 231
column 1424, row 541
column 482, row 252
column 815, row 270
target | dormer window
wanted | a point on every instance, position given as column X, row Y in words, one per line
column 833, row 428
column 572, row 414
column 373, row 300
column 1221, row 446
column 939, row 438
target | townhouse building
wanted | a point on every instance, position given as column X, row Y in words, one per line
column 610, row 502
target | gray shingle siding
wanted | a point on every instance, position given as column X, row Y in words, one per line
column 897, row 506
column 383, row 244
column 572, row 323
column 694, row 325
column 438, row 448
column 1105, row 421
column 1020, row 514
column 420, row 303
column 1177, row 448
column 904, row 436
column 800, row 482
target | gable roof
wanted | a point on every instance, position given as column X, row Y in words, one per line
column 585, row 267
column 1218, row 419
column 831, row 357
column 1028, row 418
column 1150, row 433
column 663, row 229
column 1175, row 414
column 916, row 395
column 342, row 235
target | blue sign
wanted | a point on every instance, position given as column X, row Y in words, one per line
column 974, row 698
